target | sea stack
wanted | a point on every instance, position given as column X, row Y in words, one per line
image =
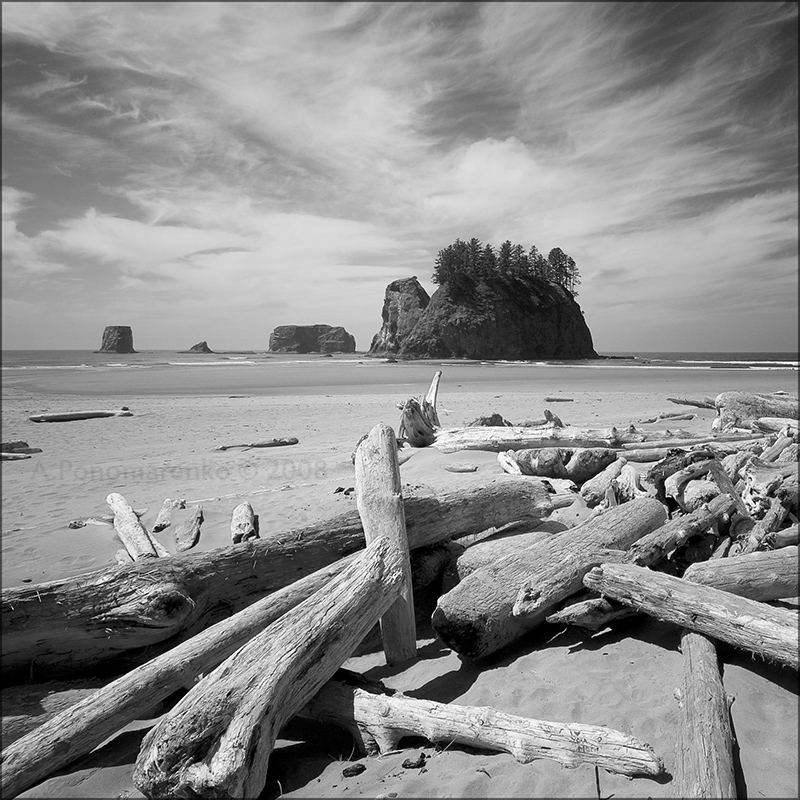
column 200, row 347
column 311, row 339
column 117, row 339
column 403, row 305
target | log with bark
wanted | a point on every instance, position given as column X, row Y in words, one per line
column 164, row 517
column 741, row 409
column 187, row 534
column 217, row 740
column 243, row 525
column 705, row 741
column 84, row 623
column 495, row 605
column 138, row 542
column 748, row 624
column 578, row 464
column 378, row 720
column 69, row 416
column 285, row 442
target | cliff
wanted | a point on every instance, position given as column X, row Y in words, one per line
column 514, row 317
column 403, row 304
column 117, row 339
column 311, row 339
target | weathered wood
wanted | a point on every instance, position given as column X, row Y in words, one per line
column 769, row 523
column 378, row 721
column 594, row 490
column 667, row 415
column 187, row 534
column 419, row 420
column 740, row 409
column 269, row 443
column 678, row 441
column 705, row 747
column 776, row 424
column 243, row 524
column 575, row 464
column 80, row 728
column 104, row 519
column 81, row 623
column 627, row 485
column 705, row 402
column 748, row 624
column 592, row 614
column 782, row 538
column 759, row 576
column 380, row 504
column 23, row 450
column 695, row 493
column 217, row 740
column 495, row 605
column 773, row 452
column 164, row 517
column 13, row 456
column 69, row 416
column 131, row 532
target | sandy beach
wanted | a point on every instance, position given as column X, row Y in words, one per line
column 623, row 677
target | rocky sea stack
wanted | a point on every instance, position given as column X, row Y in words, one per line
column 517, row 317
column 311, row 339
column 117, row 339
column 200, row 347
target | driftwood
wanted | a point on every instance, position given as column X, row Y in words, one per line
column 418, row 419
column 705, row 402
column 378, row 721
column 68, row 416
column 243, row 525
column 13, row 456
column 668, row 415
column 698, row 492
column 592, row 614
column 741, row 409
column 270, row 443
column 758, row 576
column 627, row 485
column 594, row 490
column 187, row 533
column 496, row 605
column 217, row 740
column 19, row 447
column 769, row 523
column 138, row 542
column 380, row 504
column 773, row 452
column 577, row 464
column 684, row 441
column 748, row 624
column 705, row 746
column 164, row 517
column 775, row 425
column 80, row 623
column 781, row 538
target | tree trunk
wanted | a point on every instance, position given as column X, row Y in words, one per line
column 593, row 491
column 749, row 624
column 380, row 503
column 187, row 533
column 69, row 416
column 498, row 440
column 740, row 409
column 575, row 464
column 782, row 538
column 69, row 626
column 705, row 748
column 243, row 527
column 758, row 576
column 676, row 441
column 217, row 740
column 378, row 721
column 131, row 532
column 497, row 604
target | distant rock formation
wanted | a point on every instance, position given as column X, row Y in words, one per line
column 403, row 305
column 200, row 347
column 512, row 317
column 311, row 339
column 117, row 339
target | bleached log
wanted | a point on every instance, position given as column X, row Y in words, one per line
column 758, row 576
column 187, row 534
column 217, row 740
column 705, row 402
column 380, row 504
column 131, row 532
column 122, row 556
column 70, row 625
column 592, row 614
column 705, row 747
column 789, row 454
column 678, row 441
column 13, row 456
column 495, row 605
column 164, row 517
column 776, row 424
column 773, row 452
column 419, row 420
column 627, row 485
column 378, row 721
column 575, row 464
column 69, row 416
column 243, row 526
column 497, row 440
column 285, row 442
column 698, row 492
column 593, row 491
column 740, row 409
column 667, row 415
column 748, row 624
column 771, row 522
column 782, row 538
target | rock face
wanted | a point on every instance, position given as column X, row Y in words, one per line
column 117, row 339
column 200, row 347
column 403, row 304
column 311, row 339
column 515, row 317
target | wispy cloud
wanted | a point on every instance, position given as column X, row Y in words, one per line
column 275, row 155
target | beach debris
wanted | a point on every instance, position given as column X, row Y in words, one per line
column 243, row 526
column 773, row 425
column 353, row 769
column 558, row 400
column 164, row 518
column 672, row 416
column 593, row 490
column 243, row 704
column 769, row 632
column 418, row 419
column 69, row 416
column 704, row 764
column 739, row 410
column 379, row 718
column 705, row 402
column 493, row 420
column 13, row 456
column 461, row 467
column 575, row 464
column 187, row 534
column 591, row 613
column 138, row 542
column 271, row 443
column 18, row 447
column 104, row 519
column 496, row 605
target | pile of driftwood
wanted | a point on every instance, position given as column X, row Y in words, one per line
column 257, row 632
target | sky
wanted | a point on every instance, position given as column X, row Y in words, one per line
column 213, row 170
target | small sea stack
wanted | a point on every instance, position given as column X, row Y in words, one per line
column 117, row 339
column 200, row 347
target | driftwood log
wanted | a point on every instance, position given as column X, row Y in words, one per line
column 705, row 747
column 164, row 517
column 594, row 490
column 69, row 416
column 217, row 740
column 270, row 443
column 495, row 605
column 575, row 464
column 705, row 402
column 748, row 624
column 66, row 627
column 378, row 720
column 187, row 534
column 243, row 525
column 741, row 409
column 138, row 542
column 13, row 456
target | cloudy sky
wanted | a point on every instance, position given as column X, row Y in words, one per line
column 210, row 171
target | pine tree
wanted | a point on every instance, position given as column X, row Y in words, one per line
column 504, row 258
